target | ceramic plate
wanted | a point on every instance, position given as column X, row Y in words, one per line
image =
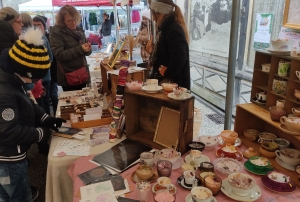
column 253, row 169
column 280, row 162
column 227, row 166
column 203, row 158
column 151, row 91
column 157, row 187
column 258, row 102
column 135, row 178
column 175, row 165
column 239, row 156
column 284, row 129
column 188, row 198
column 226, row 189
column 209, row 141
column 278, row 52
column 172, row 96
column 276, row 181
column 180, row 182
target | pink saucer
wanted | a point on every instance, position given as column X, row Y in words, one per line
column 237, row 155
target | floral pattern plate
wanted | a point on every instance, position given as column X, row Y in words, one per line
column 278, row 182
column 226, row 166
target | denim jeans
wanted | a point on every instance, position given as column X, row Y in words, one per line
column 14, row 182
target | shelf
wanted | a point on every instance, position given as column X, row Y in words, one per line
column 264, row 88
column 282, row 96
column 259, row 70
column 294, row 101
column 282, row 77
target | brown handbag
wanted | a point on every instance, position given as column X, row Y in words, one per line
column 149, row 45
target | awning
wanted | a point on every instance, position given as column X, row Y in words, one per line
column 82, row 2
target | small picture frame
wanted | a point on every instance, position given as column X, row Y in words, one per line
column 113, row 57
column 167, row 129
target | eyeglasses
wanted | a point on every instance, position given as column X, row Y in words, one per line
column 19, row 22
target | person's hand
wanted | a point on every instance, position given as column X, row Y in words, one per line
column 86, row 47
column 44, row 134
column 53, row 123
column 162, row 69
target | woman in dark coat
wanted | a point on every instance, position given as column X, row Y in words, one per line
column 170, row 58
column 68, row 45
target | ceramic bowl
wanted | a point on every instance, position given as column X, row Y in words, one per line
column 196, row 146
column 210, row 141
column 134, row 85
column 163, row 195
column 282, row 45
column 169, row 86
column 292, row 123
column 269, row 146
column 201, row 194
column 241, row 183
column 251, row 134
column 229, row 137
column 282, row 143
column 266, row 137
column 169, row 155
column 266, row 153
column 266, row 67
column 229, row 151
column 144, row 172
column 203, row 174
column 289, row 156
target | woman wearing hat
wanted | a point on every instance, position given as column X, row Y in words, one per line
column 69, row 46
column 144, row 34
column 170, row 57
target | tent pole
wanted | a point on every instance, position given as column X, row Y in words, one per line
column 116, row 23
column 128, row 19
column 234, row 34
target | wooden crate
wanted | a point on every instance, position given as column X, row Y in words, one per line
column 142, row 112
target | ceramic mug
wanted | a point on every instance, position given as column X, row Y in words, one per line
column 266, row 67
column 266, row 137
column 189, row 177
column 298, row 74
column 201, row 194
column 152, row 84
column 279, row 86
column 147, row 158
column 296, row 111
column 284, row 68
column 261, row 96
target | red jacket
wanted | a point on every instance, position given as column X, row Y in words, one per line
column 38, row 89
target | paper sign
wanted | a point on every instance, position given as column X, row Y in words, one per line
column 91, row 117
column 262, row 34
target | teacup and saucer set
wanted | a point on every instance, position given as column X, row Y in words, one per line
column 164, row 183
column 170, row 155
column 288, row 158
column 258, row 165
column 260, row 98
column 152, row 86
column 200, row 194
column 230, row 152
column 180, row 93
column 229, row 137
column 196, row 158
column 278, row 182
column 188, row 180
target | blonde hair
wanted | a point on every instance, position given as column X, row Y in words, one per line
column 26, row 20
column 67, row 9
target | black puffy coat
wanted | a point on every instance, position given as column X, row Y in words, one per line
column 172, row 52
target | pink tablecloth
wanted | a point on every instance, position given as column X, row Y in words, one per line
column 82, row 164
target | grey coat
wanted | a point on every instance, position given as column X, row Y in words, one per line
column 66, row 48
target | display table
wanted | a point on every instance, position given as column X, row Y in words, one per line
column 82, row 164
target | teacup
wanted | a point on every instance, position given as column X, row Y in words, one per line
column 266, row 137
column 296, row 111
column 190, row 177
column 180, row 92
column 152, row 84
column 261, row 96
column 282, row 143
column 196, row 156
column 289, row 156
column 229, row 137
column 241, row 183
column 298, row 74
column 280, row 103
column 201, row 194
column 186, row 167
column 147, row 158
column 284, row 68
column 165, row 182
column 230, row 151
column 292, row 123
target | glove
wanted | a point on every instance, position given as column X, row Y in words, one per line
column 44, row 134
column 53, row 123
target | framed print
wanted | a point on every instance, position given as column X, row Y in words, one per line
column 113, row 57
column 291, row 17
column 167, row 129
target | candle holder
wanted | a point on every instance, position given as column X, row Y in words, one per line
column 164, row 168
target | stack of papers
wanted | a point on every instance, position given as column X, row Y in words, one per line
column 71, row 148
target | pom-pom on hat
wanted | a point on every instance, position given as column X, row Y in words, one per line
column 28, row 56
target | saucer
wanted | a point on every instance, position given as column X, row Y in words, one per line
column 269, row 184
column 151, row 91
column 235, row 144
column 188, row 198
column 278, row 52
column 251, row 168
column 203, row 158
column 175, row 165
column 258, row 102
column 226, row 187
column 157, row 187
column 180, row 182
column 172, row 96
column 219, row 154
column 280, row 162
column 284, row 129
column 135, row 178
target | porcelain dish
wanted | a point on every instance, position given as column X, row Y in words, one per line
column 278, row 182
column 258, row 102
column 203, row 158
column 258, row 165
column 180, row 182
column 210, row 141
column 226, row 166
column 284, row 165
column 254, row 193
column 179, row 162
column 278, row 52
column 238, row 155
column 136, row 179
column 151, row 91
column 188, row 198
column 172, row 96
column 157, row 187
column 284, row 129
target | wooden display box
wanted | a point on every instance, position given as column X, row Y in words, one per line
column 92, row 123
column 142, row 111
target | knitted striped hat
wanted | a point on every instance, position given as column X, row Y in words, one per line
column 28, row 56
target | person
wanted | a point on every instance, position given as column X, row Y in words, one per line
column 26, row 20
column 8, row 35
column 105, row 30
column 24, row 63
column 144, row 34
column 170, row 58
column 68, row 45
column 11, row 16
column 40, row 23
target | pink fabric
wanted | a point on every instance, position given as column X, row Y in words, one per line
column 82, row 164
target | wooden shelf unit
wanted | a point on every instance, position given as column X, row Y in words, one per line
column 253, row 116
column 142, row 112
column 263, row 81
